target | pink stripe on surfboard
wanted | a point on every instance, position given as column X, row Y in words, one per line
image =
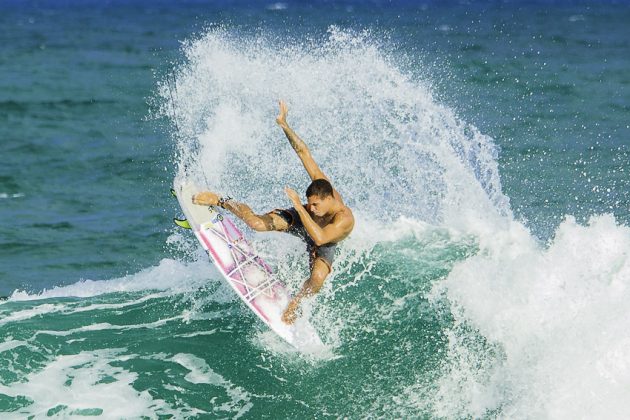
column 240, row 288
column 211, row 249
column 240, row 237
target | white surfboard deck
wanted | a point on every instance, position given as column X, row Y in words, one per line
column 248, row 275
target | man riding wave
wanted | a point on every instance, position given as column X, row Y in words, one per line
column 322, row 223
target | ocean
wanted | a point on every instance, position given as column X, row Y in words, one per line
column 483, row 147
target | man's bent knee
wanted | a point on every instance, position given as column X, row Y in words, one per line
column 271, row 222
column 256, row 223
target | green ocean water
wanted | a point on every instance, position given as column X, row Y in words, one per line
column 483, row 148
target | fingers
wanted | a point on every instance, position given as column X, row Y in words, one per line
column 281, row 119
column 293, row 196
column 283, row 108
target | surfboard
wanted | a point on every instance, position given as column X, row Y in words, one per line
column 250, row 277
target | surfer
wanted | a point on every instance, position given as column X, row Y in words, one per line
column 322, row 222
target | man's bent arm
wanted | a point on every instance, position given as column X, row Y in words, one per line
column 331, row 233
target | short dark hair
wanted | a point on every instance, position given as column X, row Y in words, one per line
column 320, row 188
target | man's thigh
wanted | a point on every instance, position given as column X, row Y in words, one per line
column 273, row 222
column 319, row 272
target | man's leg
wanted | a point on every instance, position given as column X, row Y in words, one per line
column 319, row 272
column 261, row 223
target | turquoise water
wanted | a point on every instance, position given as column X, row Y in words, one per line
column 483, row 148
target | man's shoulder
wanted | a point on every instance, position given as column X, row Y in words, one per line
column 344, row 216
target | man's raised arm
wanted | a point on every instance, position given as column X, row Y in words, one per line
column 299, row 146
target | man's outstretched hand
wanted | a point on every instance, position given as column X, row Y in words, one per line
column 293, row 196
column 281, row 119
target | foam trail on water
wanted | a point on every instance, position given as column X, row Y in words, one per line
column 74, row 386
column 170, row 274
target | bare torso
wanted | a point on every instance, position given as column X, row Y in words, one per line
column 341, row 215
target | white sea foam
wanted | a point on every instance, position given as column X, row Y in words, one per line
column 11, row 344
column 197, row 334
column 201, row 373
column 559, row 317
column 110, row 306
column 107, row 326
column 30, row 313
column 351, row 105
column 85, row 384
column 15, row 195
column 171, row 275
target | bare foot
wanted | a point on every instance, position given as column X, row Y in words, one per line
column 289, row 316
column 206, row 198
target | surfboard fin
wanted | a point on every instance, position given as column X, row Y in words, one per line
column 182, row 223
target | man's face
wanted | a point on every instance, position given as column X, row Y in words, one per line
column 320, row 206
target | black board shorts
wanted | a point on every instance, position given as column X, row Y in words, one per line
column 324, row 252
